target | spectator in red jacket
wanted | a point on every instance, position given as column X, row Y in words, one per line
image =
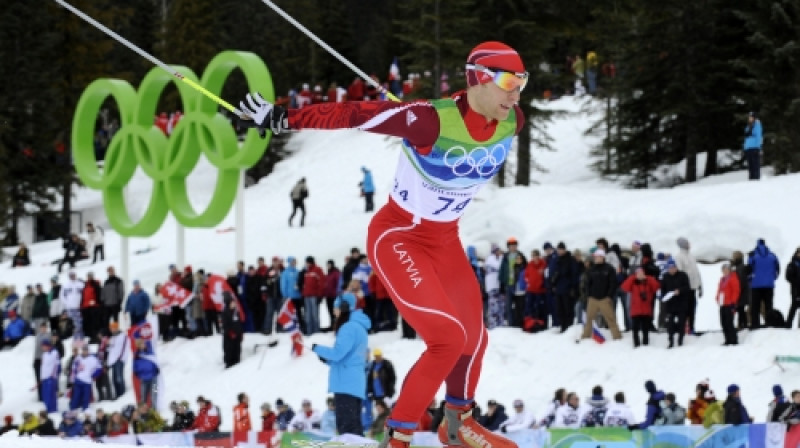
column 642, row 289
column 210, row 311
column 313, row 288
column 535, row 298
column 267, row 417
column 91, row 308
column 356, row 90
column 727, row 299
column 331, row 289
column 385, row 318
column 207, row 419
column 241, row 413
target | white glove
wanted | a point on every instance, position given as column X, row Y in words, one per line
column 259, row 110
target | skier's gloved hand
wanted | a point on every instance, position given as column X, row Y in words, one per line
column 263, row 115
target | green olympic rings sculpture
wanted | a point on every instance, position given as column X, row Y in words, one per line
column 168, row 160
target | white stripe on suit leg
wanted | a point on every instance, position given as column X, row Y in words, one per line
column 393, row 290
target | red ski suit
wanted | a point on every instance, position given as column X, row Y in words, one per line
column 416, row 252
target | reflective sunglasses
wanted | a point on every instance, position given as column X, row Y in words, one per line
column 508, row 81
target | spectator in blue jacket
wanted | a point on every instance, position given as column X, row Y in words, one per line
column 290, row 288
column 70, row 426
column 146, row 369
column 347, row 359
column 367, row 188
column 138, row 304
column 285, row 415
column 764, row 268
column 753, row 139
column 11, row 302
column 653, row 406
column 15, row 331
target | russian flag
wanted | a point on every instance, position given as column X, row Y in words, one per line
column 596, row 334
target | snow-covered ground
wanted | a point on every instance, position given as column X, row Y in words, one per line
column 569, row 203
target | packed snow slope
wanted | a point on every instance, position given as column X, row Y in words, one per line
column 569, row 203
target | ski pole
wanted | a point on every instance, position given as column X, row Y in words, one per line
column 333, row 52
column 151, row 58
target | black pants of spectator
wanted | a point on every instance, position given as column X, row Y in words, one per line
column 385, row 315
column 347, row 409
column 641, row 324
column 299, row 308
column 67, row 260
column 753, row 157
column 54, row 325
column 37, row 364
column 742, row 314
column 408, row 331
column 692, row 310
column 566, row 310
column 98, row 249
column 178, row 319
column 552, row 308
column 517, row 310
column 369, row 204
column 164, row 328
column 758, row 297
column 112, row 313
column 298, row 204
column 212, row 321
column 92, row 322
column 231, row 351
column 103, row 386
column 726, row 320
column 676, row 324
column 792, row 310
column 369, row 309
column 258, row 308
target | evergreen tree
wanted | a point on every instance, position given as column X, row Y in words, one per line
column 773, row 28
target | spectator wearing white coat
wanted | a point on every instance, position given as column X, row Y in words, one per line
column 118, row 354
column 70, row 296
column 95, row 237
column 307, row 419
column 686, row 263
column 494, row 316
column 568, row 415
column 521, row 419
column 619, row 413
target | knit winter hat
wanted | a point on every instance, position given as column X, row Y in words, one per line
column 709, row 395
column 671, row 263
column 492, row 54
column 650, row 386
column 347, row 297
column 732, row 388
column 599, row 253
column 547, row 245
column 777, row 390
column 683, row 243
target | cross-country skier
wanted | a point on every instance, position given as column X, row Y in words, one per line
column 451, row 147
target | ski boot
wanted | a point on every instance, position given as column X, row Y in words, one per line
column 396, row 438
column 459, row 429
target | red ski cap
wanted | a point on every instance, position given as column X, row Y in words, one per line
column 492, row 54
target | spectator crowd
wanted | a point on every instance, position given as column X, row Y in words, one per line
column 555, row 288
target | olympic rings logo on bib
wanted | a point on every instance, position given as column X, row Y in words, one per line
column 480, row 160
column 168, row 160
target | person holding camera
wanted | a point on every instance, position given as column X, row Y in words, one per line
column 72, row 252
column 642, row 289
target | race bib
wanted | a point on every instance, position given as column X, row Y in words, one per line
column 426, row 200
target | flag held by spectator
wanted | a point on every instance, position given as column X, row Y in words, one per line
column 596, row 334
column 174, row 295
column 253, row 439
column 287, row 318
column 217, row 286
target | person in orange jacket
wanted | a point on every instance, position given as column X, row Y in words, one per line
column 207, row 419
column 697, row 407
column 241, row 413
column 727, row 299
